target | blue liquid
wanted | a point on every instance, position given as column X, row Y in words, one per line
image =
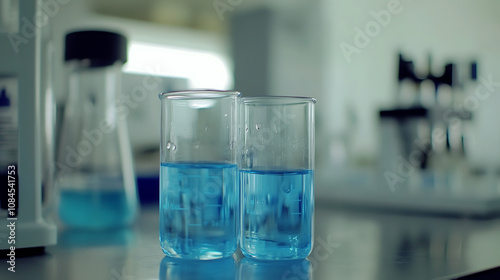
column 95, row 209
column 277, row 214
column 198, row 210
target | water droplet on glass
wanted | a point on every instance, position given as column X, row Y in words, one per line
column 225, row 115
column 286, row 188
column 246, row 129
column 257, row 126
column 206, row 128
column 174, row 147
column 169, row 145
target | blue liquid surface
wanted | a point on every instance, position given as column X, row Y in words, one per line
column 198, row 210
column 277, row 214
column 95, row 209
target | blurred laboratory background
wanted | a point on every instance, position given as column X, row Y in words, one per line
column 407, row 167
column 406, row 92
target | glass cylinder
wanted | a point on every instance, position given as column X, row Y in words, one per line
column 95, row 177
column 277, row 177
column 199, row 191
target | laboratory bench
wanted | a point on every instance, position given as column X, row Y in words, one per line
column 350, row 243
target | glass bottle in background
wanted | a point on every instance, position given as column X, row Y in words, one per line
column 96, row 181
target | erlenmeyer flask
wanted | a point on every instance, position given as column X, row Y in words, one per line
column 95, row 169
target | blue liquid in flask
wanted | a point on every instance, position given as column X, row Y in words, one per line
column 277, row 212
column 95, row 208
column 199, row 210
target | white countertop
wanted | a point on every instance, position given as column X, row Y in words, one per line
column 349, row 244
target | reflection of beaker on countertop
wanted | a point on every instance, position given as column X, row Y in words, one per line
column 250, row 269
column 95, row 170
column 179, row 269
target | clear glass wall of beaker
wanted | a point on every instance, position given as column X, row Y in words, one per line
column 277, row 177
column 199, row 191
column 95, row 174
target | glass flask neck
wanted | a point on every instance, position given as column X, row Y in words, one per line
column 95, row 91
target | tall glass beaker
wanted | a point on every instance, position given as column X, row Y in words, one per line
column 277, row 177
column 199, row 191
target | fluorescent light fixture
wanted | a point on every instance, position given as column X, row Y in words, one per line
column 203, row 69
column 199, row 104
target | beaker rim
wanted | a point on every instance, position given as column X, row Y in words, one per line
column 277, row 100
column 199, row 94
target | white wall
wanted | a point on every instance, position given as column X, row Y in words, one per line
column 309, row 61
column 449, row 29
